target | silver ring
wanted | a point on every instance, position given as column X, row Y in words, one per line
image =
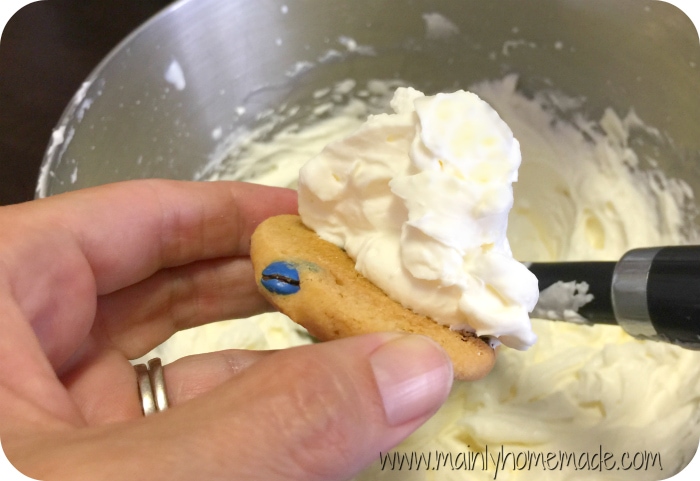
column 155, row 372
column 151, row 386
column 148, row 404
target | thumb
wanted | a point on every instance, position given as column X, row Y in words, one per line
column 320, row 412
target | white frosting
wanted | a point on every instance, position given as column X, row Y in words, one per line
column 579, row 197
column 582, row 194
column 562, row 300
column 438, row 26
column 265, row 331
column 175, row 75
column 420, row 200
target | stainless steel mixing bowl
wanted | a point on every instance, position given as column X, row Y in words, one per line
column 160, row 103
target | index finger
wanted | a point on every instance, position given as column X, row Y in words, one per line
column 128, row 231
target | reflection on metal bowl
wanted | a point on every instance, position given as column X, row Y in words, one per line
column 159, row 104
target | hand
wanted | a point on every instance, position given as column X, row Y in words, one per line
column 91, row 279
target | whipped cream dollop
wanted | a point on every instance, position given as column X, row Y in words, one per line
column 420, row 198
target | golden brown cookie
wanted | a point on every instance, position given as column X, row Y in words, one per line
column 315, row 283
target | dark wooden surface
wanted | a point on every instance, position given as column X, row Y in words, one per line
column 46, row 51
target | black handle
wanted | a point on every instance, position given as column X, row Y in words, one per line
column 673, row 293
column 652, row 293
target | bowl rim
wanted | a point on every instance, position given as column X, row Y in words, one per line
column 53, row 153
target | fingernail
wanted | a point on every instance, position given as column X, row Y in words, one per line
column 414, row 377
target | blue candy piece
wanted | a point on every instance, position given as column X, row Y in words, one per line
column 281, row 278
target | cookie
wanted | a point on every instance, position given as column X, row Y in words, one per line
column 315, row 283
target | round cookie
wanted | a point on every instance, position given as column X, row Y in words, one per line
column 315, row 283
